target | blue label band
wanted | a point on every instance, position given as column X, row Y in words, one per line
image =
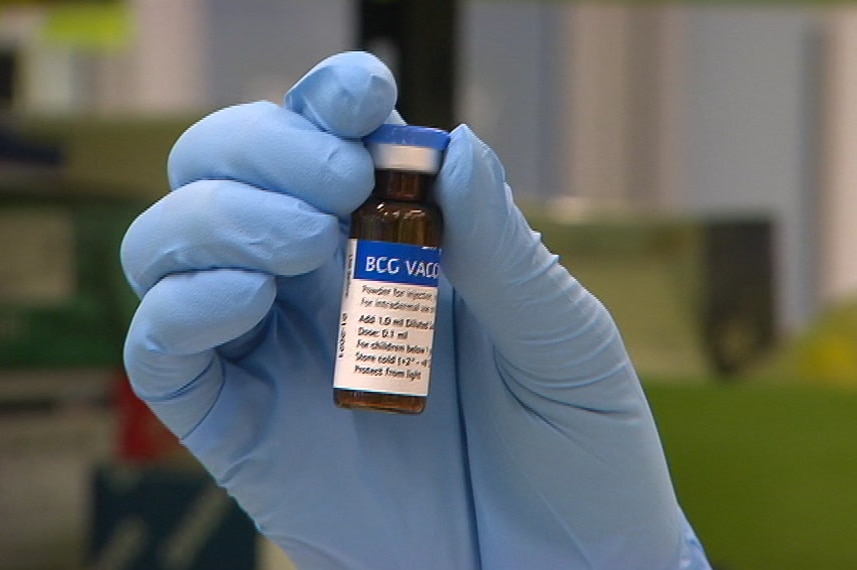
column 397, row 263
column 409, row 135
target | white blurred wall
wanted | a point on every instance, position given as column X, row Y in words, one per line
column 705, row 110
column 838, row 201
column 751, row 127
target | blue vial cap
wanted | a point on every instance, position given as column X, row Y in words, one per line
column 408, row 135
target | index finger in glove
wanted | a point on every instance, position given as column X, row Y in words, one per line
column 308, row 148
column 268, row 147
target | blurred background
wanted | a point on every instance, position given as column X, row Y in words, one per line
column 691, row 162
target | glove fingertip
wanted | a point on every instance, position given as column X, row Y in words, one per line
column 129, row 258
column 471, row 179
column 349, row 94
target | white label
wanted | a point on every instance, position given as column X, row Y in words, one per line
column 386, row 327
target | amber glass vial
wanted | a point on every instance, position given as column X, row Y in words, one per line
column 389, row 301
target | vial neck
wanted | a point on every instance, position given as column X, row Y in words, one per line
column 402, row 185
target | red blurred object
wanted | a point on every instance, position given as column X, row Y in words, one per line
column 142, row 438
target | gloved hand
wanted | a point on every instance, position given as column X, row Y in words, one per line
column 537, row 449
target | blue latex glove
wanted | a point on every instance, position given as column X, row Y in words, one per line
column 537, row 449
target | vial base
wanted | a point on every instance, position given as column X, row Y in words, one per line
column 378, row 401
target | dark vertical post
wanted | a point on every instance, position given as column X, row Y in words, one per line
column 8, row 77
column 418, row 38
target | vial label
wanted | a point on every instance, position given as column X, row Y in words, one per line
column 386, row 327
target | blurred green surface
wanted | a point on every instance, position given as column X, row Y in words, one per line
column 84, row 323
column 112, row 168
column 766, row 473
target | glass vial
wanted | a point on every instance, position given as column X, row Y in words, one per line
column 389, row 299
